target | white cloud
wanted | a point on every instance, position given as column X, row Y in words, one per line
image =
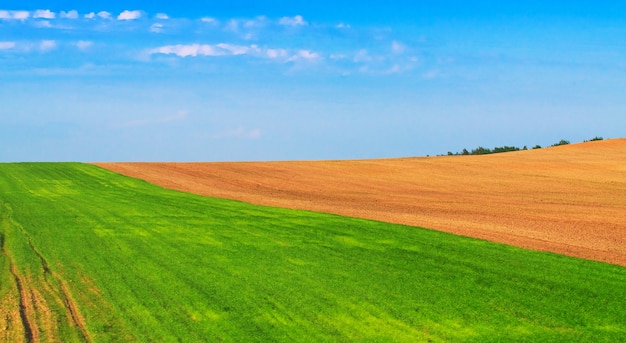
column 42, row 24
column 343, row 26
column 306, row 55
column 44, row 14
column 73, row 14
column 83, row 44
column 276, row 53
column 236, row 24
column 337, row 56
column 224, row 49
column 292, row 21
column 156, row 28
column 90, row 15
column 7, row 45
column 104, row 15
column 362, row 56
column 17, row 15
column 129, row 15
column 259, row 21
column 285, row 55
column 162, row 16
column 47, row 45
column 209, row 20
column 21, row 15
column 204, row 50
column 187, row 50
column 236, row 49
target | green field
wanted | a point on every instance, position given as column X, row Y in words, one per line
column 89, row 255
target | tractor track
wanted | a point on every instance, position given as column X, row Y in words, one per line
column 33, row 308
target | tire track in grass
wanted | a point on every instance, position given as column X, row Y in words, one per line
column 33, row 304
column 31, row 332
column 73, row 315
column 11, row 329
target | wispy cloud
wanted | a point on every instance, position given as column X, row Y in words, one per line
column 209, row 20
column 104, row 15
column 38, row 46
column 397, row 47
column 129, row 15
column 237, row 49
column 182, row 50
column 7, row 45
column 224, row 49
column 232, row 25
column 259, row 21
column 307, row 55
column 73, row 14
column 279, row 39
column 42, row 24
column 292, row 56
column 277, row 53
column 156, row 28
column 47, row 45
column 15, row 15
column 362, row 56
column 392, row 59
column 84, row 45
column 292, row 21
column 296, row 56
column 221, row 49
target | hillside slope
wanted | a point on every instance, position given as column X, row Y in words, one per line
column 568, row 199
column 87, row 255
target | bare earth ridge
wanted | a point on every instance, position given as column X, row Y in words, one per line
column 569, row 199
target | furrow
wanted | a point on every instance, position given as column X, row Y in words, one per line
column 31, row 333
column 75, row 316
column 56, row 288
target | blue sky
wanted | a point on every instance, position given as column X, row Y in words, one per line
column 285, row 80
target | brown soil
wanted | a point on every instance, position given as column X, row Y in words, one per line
column 568, row 199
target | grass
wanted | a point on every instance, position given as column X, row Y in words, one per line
column 91, row 255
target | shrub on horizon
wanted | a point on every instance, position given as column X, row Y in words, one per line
column 561, row 142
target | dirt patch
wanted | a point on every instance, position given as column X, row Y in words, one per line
column 568, row 199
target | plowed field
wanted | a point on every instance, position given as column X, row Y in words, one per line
column 569, row 199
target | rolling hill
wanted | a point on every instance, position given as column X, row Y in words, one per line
column 87, row 255
column 568, row 199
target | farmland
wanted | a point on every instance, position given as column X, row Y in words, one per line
column 90, row 255
column 568, row 199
